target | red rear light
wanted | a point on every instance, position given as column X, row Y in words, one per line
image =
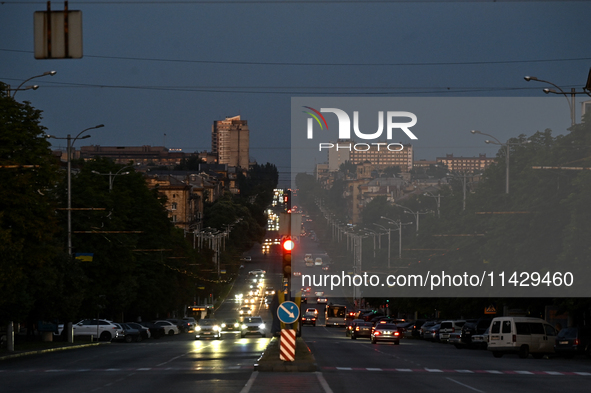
column 357, row 328
column 377, row 333
column 514, row 338
column 576, row 341
column 396, row 334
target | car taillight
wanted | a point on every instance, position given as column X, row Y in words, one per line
column 377, row 333
column 357, row 328
column 396, row 334
column 514, row 338
column 576, row 341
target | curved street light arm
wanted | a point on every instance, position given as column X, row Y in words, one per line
column 51, row 73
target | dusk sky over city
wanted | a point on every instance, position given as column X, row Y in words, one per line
column 160, row 72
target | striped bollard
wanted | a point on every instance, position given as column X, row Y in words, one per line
column 287, row 345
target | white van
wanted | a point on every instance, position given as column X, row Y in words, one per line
column 521, row 335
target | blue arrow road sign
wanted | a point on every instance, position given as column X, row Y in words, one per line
column 288, row 312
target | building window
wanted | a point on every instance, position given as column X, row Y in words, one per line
column 173, row 207
column 173, row 218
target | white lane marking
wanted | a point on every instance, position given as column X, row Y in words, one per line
column 433, row 370
column 523, row 372
column 465, row 371
column 406, row 370
column 494, row 371
column 552, row 372
column 468, row 386
column 581, row 373
column 373, row 369
column 248, row 385
column 344, row 368
column 323, row 382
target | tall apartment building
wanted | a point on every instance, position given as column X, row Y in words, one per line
column 383, row 158
column 466, row 164
column 230, row 141
column 337, row 156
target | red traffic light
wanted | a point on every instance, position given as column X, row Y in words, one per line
column 288, row 245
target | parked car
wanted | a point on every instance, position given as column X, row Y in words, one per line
column 179, row 324
column 156, row 331
column 208, row 328
column 449, row 326
column 253, row 325
column 432, row 333
column 416, row 328
column 189, row 324
column 573, row 341
column 425, row 326
column 144, row 331
column 521, row 335
column 480, row 340
column 473, row 328
column 127, row 333
column 105, row 329
column 169, row 327
column 361, row 329
column 309, row 319
column 386, row 332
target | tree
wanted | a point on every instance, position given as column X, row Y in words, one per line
column 28, row 203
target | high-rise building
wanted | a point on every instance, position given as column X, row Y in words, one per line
column 230, row 141
column 383, row 157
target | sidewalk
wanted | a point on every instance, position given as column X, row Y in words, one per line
column 287, row 382
column 5, row 355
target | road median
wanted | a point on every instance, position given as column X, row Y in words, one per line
column 270, row 362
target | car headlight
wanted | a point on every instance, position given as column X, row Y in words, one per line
column 216, row 328
column 223, row 325
column 198, row 328
column 236, row 324
column 262, row 326
column 241, row 312
column 244, row 326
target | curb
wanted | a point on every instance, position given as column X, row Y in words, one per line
column 41, row 351
column 269, row 360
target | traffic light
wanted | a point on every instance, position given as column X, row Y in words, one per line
column 287, row 246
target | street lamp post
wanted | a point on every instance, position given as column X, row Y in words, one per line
column 34, row 87
column 399, row 224
column 507, row 146
column 113, row 175
column 416, row 214
column 573, row 93
column 68, row 159
column 438, row 198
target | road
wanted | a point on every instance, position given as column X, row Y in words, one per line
column 182, row 364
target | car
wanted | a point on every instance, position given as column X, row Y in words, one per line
column 309, row 318
column 257, row 272
column 312, row 311
column 128, row 333
column 480, row 340
column 573, row 341
column 426, row 326
column 179, row 323
column 269, row 291
column 169, row 328
column 416, row 328
column 350, row 325
column 246, row 258
column 297, row 274
column 189, row 324
column 208, row 327
column 104, row 329
column 253, row 325
column 472, row 328
column 318, row 262
column 244, row 311
column 361, row 329
column 448, row 327
column 432, row 333
column 385, row 332
column 321, row 300
column 144, row 331
column 230, row 325
column 156, row 331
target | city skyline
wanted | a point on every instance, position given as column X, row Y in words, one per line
column 160, row 73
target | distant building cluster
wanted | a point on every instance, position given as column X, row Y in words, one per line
column 185, row 190
column 392, row 173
